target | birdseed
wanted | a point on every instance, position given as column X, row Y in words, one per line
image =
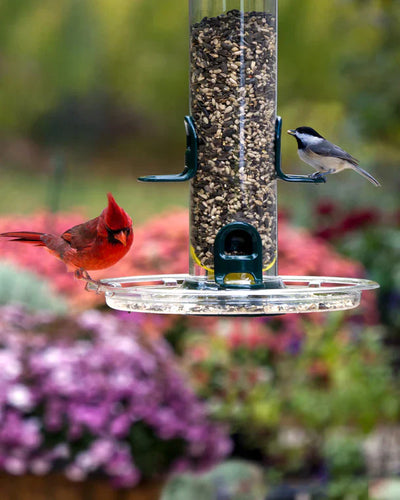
column 233, row 104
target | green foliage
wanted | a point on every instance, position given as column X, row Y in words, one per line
column 234, row 479
column 135, row 52
column 335, row 58
column 343, row 383
column 344, row 455
column 372, row 95
column 19, row 286
column 338, row 64
column 378, row 248
column 184, row 486
column 48, row 50
column 152, row 453
column 286, row 408
column 348, row 488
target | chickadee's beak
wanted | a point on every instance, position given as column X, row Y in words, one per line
column 121, row 237
column 291, row 132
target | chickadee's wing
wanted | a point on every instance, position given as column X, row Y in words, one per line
column 326, row 148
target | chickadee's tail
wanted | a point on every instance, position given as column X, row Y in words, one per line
column 25, row 237
column 365, row 174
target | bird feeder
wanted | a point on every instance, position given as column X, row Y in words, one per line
column 233, row 163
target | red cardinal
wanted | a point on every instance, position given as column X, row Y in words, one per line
column 95, row 244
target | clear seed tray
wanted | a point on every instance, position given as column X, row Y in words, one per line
column 170, row 294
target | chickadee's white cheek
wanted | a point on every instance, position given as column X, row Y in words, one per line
column 309, row 139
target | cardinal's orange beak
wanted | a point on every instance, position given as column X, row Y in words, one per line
column 121, row 236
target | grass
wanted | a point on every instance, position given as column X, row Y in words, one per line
column 81, row 190
column 26, row 193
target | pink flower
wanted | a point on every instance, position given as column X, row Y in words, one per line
column 14, row 465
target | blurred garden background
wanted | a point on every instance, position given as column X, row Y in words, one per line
column 92, row 95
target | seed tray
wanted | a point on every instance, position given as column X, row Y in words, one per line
column 168, row 294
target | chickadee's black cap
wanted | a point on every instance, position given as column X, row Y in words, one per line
column 308, row 131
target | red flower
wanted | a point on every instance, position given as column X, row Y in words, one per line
column 326, row 207
column 358, row 219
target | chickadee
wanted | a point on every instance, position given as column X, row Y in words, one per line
column 325, row 157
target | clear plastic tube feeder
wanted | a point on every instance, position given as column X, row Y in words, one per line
column 233, row 163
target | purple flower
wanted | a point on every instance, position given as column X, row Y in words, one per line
column 102, row 450
column 72, row 390
column 120, row 426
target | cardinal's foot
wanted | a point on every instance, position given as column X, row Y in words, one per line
column 82, row 274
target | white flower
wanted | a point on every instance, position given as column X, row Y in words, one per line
column 53, row 356
column 20, row 397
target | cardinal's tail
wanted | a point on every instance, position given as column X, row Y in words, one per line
column 25, row 237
